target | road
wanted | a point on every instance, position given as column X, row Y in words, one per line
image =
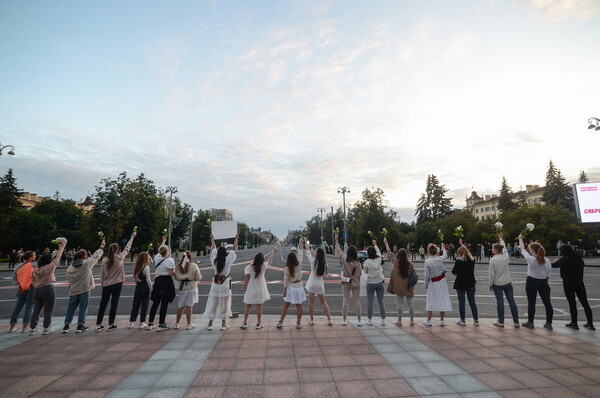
column 486, row 302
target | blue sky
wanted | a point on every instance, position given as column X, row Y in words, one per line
column 266, row 107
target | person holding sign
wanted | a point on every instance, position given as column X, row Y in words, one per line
column 218, row 305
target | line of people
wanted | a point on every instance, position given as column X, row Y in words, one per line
column 36, row 290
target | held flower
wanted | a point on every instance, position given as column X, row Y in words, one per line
column 384, row 232
column 135, row 229
column 101, row 235
column 165, row 232
column 499, row 224
column 440, row 235
column 59, row 240
column 337, row 230
column 458, row 231
column 370, row 233
column 528, row 228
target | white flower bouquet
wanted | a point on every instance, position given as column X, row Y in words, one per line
column 440, row 235
column 384, row 232
column 101, row 235
column 459, row 231
column 528, row 228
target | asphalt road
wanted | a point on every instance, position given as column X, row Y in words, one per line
column 486, row 302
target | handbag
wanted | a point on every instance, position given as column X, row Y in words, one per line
column 220, row 279
column 413, row 279
column 347, row 279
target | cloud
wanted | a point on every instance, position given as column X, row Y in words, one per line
column 558, row 10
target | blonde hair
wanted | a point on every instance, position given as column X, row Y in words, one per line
column 464, row 254
column 432, row 249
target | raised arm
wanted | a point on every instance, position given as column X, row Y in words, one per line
column 377, row 250
column 389, row 252
column 128, row 245
column 92, row 261
column 501, row 241
column 270, row 259
column 338, row 251
column 213, row 245
column 235, row 242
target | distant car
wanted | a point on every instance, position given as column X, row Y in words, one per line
column 229, row 246
column 362, row 256
column 293, row 249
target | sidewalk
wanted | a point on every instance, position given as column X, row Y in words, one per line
column 319, row 361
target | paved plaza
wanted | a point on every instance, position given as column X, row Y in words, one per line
column 319, row 361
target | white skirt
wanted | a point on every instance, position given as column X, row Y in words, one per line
column 187, row 298
column 257, row 292
column 315, row 284
column 438, row 298
column 295, row 295
column 218, row 305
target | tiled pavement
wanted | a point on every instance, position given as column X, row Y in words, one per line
column 320, row 361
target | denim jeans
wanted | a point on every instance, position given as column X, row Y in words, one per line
column 508, row 292
column 461, row 303
column 411, row 308
column 24, row 299
column 532, row 288
column 82, row 300
column 373, row 288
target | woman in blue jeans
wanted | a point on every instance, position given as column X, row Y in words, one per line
column 538, row 273
column 464, row 270
column 372, row 266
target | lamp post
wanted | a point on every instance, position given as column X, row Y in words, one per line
column 191, row 228
column 594, row 123
column 344, row 191
column 321, row 210
column 10, row 147
column 171, row 190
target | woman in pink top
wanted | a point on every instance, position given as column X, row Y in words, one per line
column 112, row 277
column 43, row 279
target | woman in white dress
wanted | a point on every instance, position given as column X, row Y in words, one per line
column 438, row 297
column 315, row 285
column 188, row 274
column 255, row 286
column 218, row 305
column 293, row 288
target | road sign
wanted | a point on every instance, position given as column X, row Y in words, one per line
column 345, row 234
column 346, row 229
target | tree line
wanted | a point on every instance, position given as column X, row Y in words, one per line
column 120, row 205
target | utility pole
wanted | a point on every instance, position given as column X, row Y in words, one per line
column 191, row 229
column 344, row 191
column 321, row 210
column 171, row 190
column 332, row 232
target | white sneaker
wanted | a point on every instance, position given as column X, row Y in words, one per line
column 142, row 325
column 224, row 327
column 360, row 322
column 190, row 326
column 150, row 326
column 442, row 323
column 131, row 325
column 209, row 327
column 244, row 326
column 13, row 328
column 476, row 322
column 34, row 332
column 460, row 322
column 498, row 324
column 344, row 322
column 176, row 326
column 369, row 322
column 427, row 322
column 47, row 331
column 259, row 326
column 383, row 322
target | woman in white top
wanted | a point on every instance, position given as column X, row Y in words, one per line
column 293, row 288
column 218, row 305
column 315, row 284
column 372, row 266
column 188, row 274
column 438, row 297
column 163, row 290
column 255, row 286
column 538, row 273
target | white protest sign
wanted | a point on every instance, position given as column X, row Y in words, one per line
column 224, row 229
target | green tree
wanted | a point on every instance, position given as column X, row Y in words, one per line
column 433, row 204
column 9, row 193
column 113, row 207
column 557, row 191
column 146, row 205
column 201, row 230
column 66, row 219
column 505, row 201
column 371, row 213
column 583, row 178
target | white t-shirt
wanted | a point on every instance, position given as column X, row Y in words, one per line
column 165, row 266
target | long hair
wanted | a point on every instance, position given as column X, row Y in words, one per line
column 321, row 264
column 403, row 263
column 352, row 254
column 44, row 260
column 141, row 261
column 259, row 260
column 464, row 254
column 432, row 249
column 291, row 263
column 539, row 252
column 113, row 248
column 188, row 255
column 371, row 252
column 220, row 260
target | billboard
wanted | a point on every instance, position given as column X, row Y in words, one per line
column 587, row 202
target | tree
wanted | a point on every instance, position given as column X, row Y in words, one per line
column 557, row 191
column 434, row 203
column 583, row 178
column 201, row 230
column 9, row 193
column 371, row 213
column 505, row 201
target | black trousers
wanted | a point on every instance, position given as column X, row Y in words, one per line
column 164, row 306
column 141, row 299
column 112, row 293
column 577, row 288
column 43, row 299
column 532, row 288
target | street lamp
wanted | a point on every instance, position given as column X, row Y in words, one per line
column 321, row 210
column 344, row 191
column 10, row 152
column 171, row 190
column 594, row 123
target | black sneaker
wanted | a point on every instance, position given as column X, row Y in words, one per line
column 66, row 329
column 112, row 327
column 572, row 326
column 82, row 328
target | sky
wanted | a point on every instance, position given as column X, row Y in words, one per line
column 267, row 107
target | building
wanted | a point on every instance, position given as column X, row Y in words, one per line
column 487, row 207
column 30, row 200
column 221, row 215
